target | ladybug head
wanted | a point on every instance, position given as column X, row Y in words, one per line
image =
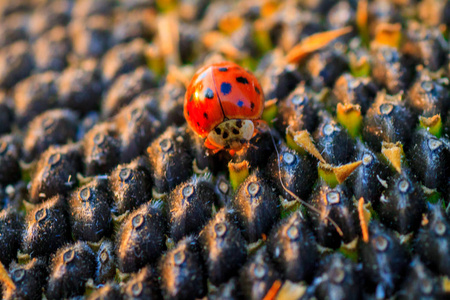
column 231, row 134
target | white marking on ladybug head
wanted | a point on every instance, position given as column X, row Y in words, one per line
column 232, row 134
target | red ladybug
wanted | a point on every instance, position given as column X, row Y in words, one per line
column 223, row 104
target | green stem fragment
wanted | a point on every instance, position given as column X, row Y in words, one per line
column 270, row 111
column 238, row 173
column 432, row 124
column 349, row 116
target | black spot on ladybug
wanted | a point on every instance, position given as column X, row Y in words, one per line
column 198, row 124
column 188, row 112
column 235, row 131
column 239, row 123
column 242, row 80
column 223, row 69
column 240, row 103
column 225, row 134
column 252, row 105
column 257, row 90
column 191, row 97
column 225, row 88
column 205, row 115
column 217, row 130
column 209, row 93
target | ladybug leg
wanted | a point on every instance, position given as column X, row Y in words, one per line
column 212, row 148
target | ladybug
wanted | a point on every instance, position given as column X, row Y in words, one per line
column 224, row 103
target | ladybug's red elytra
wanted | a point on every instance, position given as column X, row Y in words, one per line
column 223, row 103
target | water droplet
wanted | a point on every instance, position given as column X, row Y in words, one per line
column 427, row 86
column 125, row 174
column 188, row 191
column 433, row 144
column 403, row 186
column 220, row 229
column 165, row 145
column 18, row 274
column 328, row 129
column 367, row 159
column 292, row 233
column 99, row 139
column 259, row 271
column 137, row 221
column 386, row 108
column 179, row 257
column 40, row 215
column 104, row 257
column 380, row 243
column 85, row 194
column 288, row 158
column 333, row 197
column 136, row 289
column 298, row 99
column 223, row 186
column 68, row 256
column 253, row 188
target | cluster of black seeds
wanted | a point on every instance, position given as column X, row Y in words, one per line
column 106, row 193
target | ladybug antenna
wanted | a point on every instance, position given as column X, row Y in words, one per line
column 306, row 204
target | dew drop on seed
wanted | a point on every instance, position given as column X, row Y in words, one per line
column 165, row 145
column 104, row 256
column 288, row 158
column 292, row 233
column 136, row 289
column 85, row 194
column 333, row 197
column 403, row 186
column 68, row 256
column 99, row 138
column 18, row 275
column 253, row 188
column 220, row 229
column 386, row 108
column 427, row 86
column 298, row 100
column 137, row 221
column 188, row 191
column 328, row 129
column 381, row 243
column 433, row 144
column 223, row 187
column 40, row 215
column 259, row 271
column 125, row 174
column 367, row 159
column 179, row 257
